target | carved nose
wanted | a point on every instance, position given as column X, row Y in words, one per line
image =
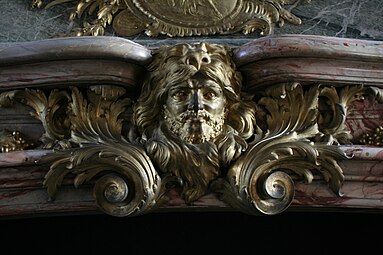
column 196, row 102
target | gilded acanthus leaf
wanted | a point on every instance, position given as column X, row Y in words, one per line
column 287, row 148
column 290, row 109
column 124, row 160
column 97, row 121
column 49, row 110
column 129, row 184
column 335, row 106
column 376, row 92
column 102, row 11
column 6, row 98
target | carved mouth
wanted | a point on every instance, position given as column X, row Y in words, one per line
column 200, row 117
column 194, row 127
column 196, row 120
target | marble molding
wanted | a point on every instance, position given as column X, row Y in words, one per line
column 309, row 60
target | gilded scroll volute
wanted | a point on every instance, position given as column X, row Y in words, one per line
column 292, row 145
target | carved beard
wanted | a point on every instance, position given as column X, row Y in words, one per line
column 194, row 128
column 195, row 164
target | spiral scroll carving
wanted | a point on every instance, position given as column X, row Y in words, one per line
column 294, row 145
column 126, row 182
column 134, row 193
column 269, row 193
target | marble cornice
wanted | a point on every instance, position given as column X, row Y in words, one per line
column 319, row 100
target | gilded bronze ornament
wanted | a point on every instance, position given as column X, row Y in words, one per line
column 192, row 114
column 46, row 110
column 13, row 141
column 293, row 144
column 374, row 138
column 129, row 183
column 179, row 17
column 194, row 128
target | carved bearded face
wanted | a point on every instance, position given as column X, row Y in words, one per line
column 194, row 92
column 191, row 114
column 195, row 109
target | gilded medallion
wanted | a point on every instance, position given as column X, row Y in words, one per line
column 180, row 17
column 206, row 17
column 187, row 18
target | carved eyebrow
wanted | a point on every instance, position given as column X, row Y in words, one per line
column 212, row 85
column 195, row 83
column 179, row 86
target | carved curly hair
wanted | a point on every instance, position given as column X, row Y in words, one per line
column 172, row 65
column 196, row 165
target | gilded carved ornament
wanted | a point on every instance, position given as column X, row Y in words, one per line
column 195, row 129
column 178, row 17
column 13, row 141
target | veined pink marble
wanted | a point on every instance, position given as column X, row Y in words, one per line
column 22, row 193
column 286, row 46
column 65, row 61
column 364, row 117
column 364, row 152
column 307, row 59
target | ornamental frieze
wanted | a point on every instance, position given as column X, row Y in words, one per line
column 249, row 125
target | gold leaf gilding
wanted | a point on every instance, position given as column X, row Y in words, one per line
column 179, row 17
column 193, row 128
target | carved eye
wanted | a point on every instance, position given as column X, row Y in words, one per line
column 210, row 95
column 179, row 95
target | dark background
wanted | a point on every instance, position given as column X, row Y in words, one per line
column 195, row 233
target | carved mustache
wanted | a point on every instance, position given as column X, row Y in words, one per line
column 201, row 114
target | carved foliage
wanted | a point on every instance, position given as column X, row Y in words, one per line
column 45, row 109
column 127, row 183
column 294, row 145
column 133, row 163
column 179, row 18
